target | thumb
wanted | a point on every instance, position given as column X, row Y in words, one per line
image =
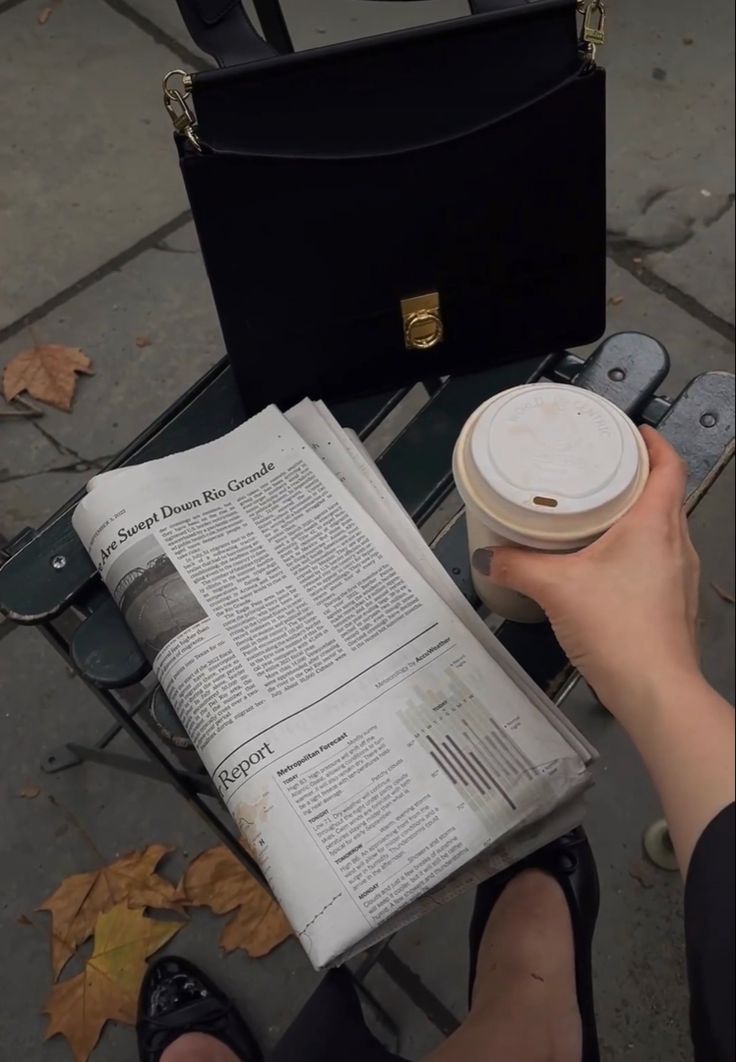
column 527, row 571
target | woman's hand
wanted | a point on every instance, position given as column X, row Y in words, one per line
column 625, row 608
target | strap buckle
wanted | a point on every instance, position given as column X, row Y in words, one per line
column 181, row 114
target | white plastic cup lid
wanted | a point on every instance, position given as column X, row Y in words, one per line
column 549, row 465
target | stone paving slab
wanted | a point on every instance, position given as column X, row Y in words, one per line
column 162, row 297
column 703, row 267
column 30, row 500
column 693, row 347
column 670, row 101
column 85, row 148
column 25, row 450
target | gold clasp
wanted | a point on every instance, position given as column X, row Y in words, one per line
column 181, row 114
column 423, row 326
column 594, row 25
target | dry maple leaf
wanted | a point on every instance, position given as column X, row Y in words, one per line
column 46, row 372
column 30, row 791
column 75, row 905
column 107, row 989
column 217, row 880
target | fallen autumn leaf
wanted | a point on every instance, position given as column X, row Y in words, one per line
column 107, row 989
column 143, row 341
column 216, row 879
column 29, row 792
column 44, row 15
column 46, row 372
column 75, row 905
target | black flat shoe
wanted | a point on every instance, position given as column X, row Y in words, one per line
column 177, row 998
column 569, row 860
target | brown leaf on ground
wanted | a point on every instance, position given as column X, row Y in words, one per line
column 24, row 920
column 44, row 15
column 615, row 300
column 107, row 989
column 75, row 905
column 29, row 792
column 725, row 595
column 46, row 372
column 143, row 341
column 216, row 879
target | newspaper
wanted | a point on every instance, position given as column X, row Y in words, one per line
column 376, row 746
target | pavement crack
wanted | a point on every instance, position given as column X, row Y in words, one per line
column 76, row 466
column 653, row 197
column 79, row 464
column 720, row 213
column 113, row 265
column 60, row 447
column 623, row 254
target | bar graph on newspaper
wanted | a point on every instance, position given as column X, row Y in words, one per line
column 477, row 754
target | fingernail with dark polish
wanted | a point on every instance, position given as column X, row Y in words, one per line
column 481, row 560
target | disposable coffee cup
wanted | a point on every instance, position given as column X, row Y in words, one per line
column 547, row 467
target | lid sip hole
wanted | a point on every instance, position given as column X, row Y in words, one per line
column 546, row 503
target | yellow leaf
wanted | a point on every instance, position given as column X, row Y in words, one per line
column 46, row 372
column 107, row 989
column 216, row 879
column 75, row 905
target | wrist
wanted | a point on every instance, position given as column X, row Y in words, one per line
column 649, row 698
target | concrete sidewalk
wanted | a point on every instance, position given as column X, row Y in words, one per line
column 97, row 249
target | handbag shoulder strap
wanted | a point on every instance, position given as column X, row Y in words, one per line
column 223, row 30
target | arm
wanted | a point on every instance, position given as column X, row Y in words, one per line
column 684, row 732
column 625, row 611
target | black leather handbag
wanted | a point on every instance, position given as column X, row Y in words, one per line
column 420, row 203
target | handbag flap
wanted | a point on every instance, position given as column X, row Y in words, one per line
column 393, row 93
column 322, row 251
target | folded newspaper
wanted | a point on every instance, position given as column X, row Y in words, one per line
column 377, row 747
